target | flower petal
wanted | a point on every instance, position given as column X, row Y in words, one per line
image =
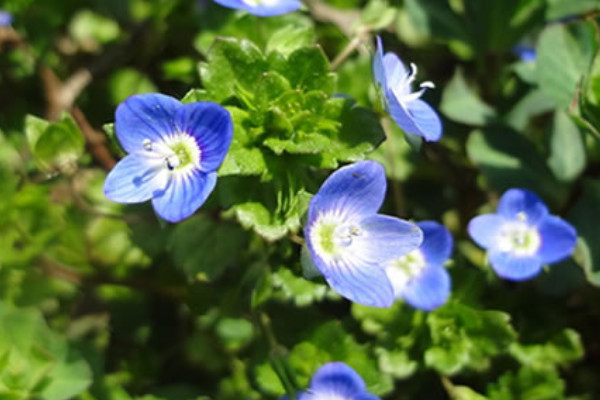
column 521, row 201
column 426, row 119
column 355, row 190
column 211, row 126
column 399, row 114
column 336, row 378
column 516, row 268
column 558, row 239
column 378, row 69
column 5, row 18
column 264, row 9
column 437, row 242
column 144, row 116
column 429, row 290
column 183, row 195
column 383, row 238
column 362, row 283
column 135, row 178
column 484, row 229
column 395, row 70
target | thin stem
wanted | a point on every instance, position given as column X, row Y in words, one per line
column 278, row 357
column 349, row 49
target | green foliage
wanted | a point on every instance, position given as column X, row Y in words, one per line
column 465, row 338
column 56, row 146
column 36, row 361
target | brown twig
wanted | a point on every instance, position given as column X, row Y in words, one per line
column 345, row 20
column 95, row 140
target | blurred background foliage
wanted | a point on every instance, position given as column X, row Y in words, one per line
column 102, row 301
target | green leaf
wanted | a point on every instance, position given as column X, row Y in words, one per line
column 55, row 146
column 234, row 68
column 290, row 38
column 563, row 348
column 509, row 160
column 567, row 152
column 558, row 9
column 204, row 248
column 235, row 333
column 308, row 69
column 298, row 289
column 564, row 55
column 127, row 82
column 528, row 383
column 377, row 15
column 91, row 29
column 587, row 253
column 461, row 104
column 41, row 363
column 464, row 338
column 534, row 103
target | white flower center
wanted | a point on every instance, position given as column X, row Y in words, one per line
column 402, row 270
column 519, row 238
column 180, row 151
column 331, row 236
column 312, row 395
column 255, row 3
column 404, row 92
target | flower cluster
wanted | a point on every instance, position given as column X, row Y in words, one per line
column 366, row 257
column 6, row 18
column 369, row 258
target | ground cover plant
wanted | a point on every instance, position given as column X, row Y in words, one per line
column 312, row 200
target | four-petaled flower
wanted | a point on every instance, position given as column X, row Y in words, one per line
column 336, row 381
column 174, row 152
column 349, row 242
column 6, row 18
column 522, row 236
column 263, row 8
column 405, row 107
column 419, row 277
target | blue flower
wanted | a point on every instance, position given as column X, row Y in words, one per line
column 174, row 152
column 336, row 381
column 525, row 53
column 419, row 277
column 263, row 8
column 349, row 242
column 411, row 113
column 6, row 18
column 522, row 236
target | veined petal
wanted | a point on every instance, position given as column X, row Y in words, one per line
column 264, row 8
column 383, row 238
column 145, row 117
column 429, row 290
column 522, row 203
column 395, row 70
column 558, row 239
column 336, row 378
column 135, row 178
column 354, row 190
column 516, row 268
column 437, row 242
column 212, row 128
column 484, row 229
column 426, row 119
column 184, row 194
column 362, row 283
column 399, row 114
